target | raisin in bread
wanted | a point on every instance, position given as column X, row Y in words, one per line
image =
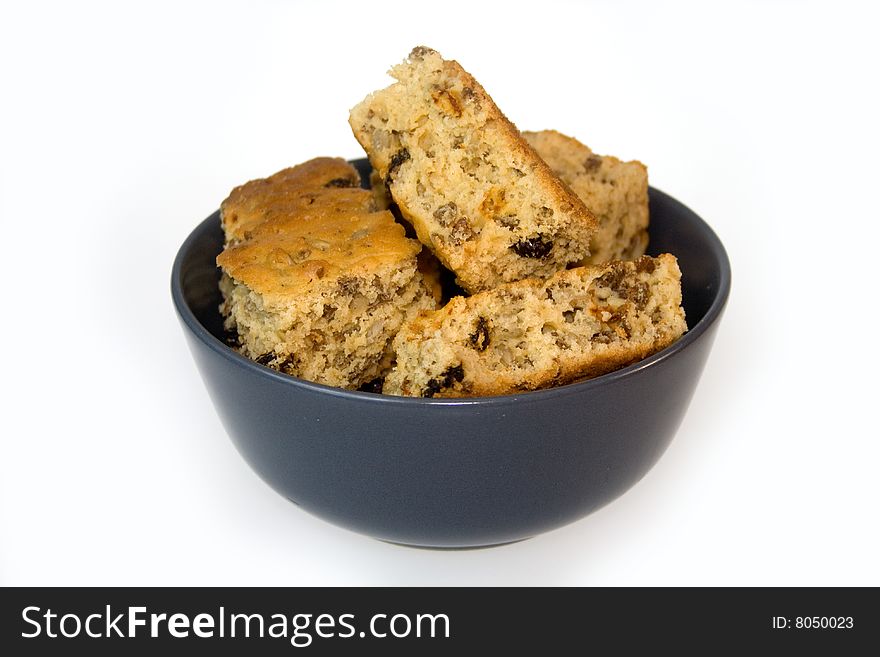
column 537, row 333
column 321, row 283
column 460, row 172
column 615, row 191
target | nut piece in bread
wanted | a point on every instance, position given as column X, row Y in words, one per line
column 316, row 282
column 536, row 333
column 615, row 191
column 476, row 193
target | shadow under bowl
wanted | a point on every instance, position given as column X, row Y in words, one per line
column 453, row 473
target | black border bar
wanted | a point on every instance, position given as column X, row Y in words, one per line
column 541, row 620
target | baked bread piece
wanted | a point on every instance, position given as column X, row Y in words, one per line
column 615, row 191
column 536, row 333
column 477, row 194
column 252, row 203
column 318, row 289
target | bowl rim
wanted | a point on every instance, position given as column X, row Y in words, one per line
column 579, row 387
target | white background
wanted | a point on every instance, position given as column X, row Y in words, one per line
column 124, row 125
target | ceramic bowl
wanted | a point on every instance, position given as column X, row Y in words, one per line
column 457, row 472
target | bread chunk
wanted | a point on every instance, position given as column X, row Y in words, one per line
column 252, row 203
column 535, row 333
column 616, row 192
column 318, row 283
column 474, row 190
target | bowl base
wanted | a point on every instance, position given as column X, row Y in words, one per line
column 457, row 548
column 435, row 547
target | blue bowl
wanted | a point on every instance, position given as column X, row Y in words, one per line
column 452, row 473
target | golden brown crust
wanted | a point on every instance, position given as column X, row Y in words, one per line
column 286, row 253
column 250, row 204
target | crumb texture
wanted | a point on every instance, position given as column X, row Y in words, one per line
column 316, row 283
column 534, row 333
column 474, row 190
column 616, row 192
